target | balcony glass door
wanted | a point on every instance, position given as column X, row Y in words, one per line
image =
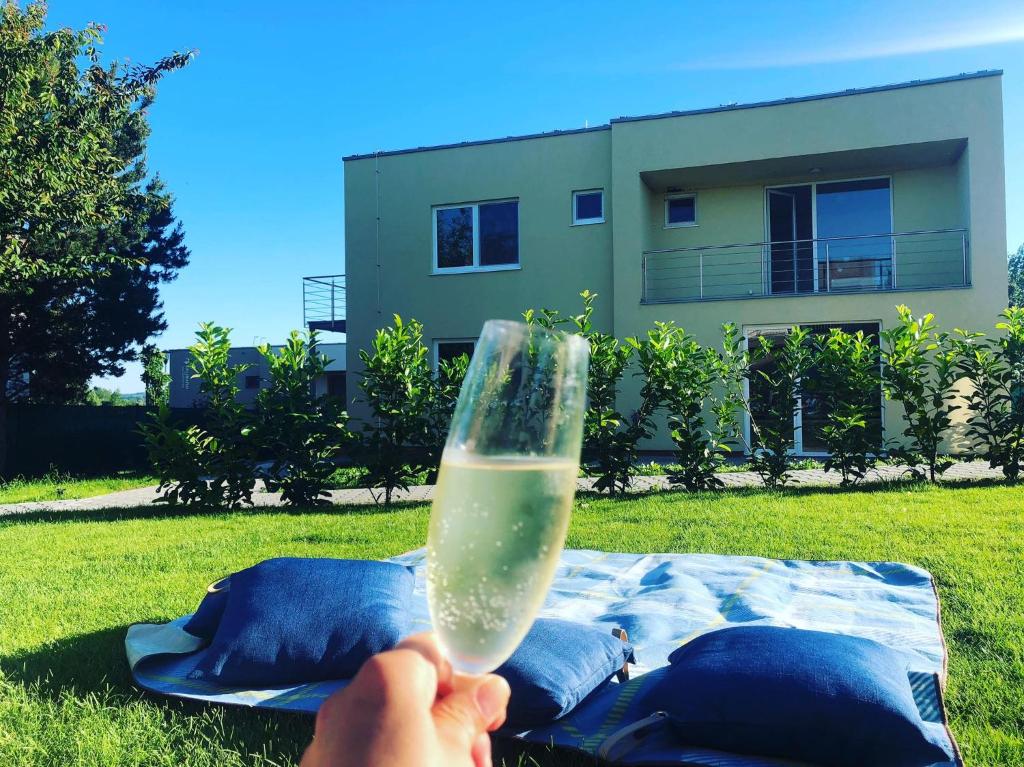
column 850, row 216
column 790, row 235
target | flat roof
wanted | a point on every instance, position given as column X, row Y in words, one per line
column 685, row 113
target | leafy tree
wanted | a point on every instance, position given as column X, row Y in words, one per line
column 182, row 459
column 846, row 378
column 70, row 329
column 446, row 384
column 65, row 167
column 920, row 368
column 778, row 372
column 1015, row 267
column 398, row 387
column 211, row 466
column 611, row 439
column 156, row 381
column 696, row 382
column 97, row 395
column 995, row 402
column 302, row 433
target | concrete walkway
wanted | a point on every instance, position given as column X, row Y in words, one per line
column 144, row 496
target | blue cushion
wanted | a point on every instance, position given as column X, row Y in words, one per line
column 206, row 618
column 804, row 695
column 555, row 667
column 302, row 620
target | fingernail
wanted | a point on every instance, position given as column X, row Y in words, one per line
column 492, row 697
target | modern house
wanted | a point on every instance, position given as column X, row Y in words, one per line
column 184, row 390
column 821, row 210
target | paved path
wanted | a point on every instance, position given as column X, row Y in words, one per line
column 144, row 496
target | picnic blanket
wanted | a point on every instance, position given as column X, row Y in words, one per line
column 663, row 601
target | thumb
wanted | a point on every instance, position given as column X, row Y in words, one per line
column 476, row 706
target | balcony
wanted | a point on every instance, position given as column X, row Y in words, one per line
column 923, row 260
column 323, row 303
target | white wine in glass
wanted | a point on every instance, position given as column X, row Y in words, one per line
column 505, row 490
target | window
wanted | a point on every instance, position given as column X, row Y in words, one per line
column 825, row 236
column 806, row 426
column 588, row 207
column 479, row 236
column 252, row 382
column 446, row 351
column 336, row 385
column 681, row 210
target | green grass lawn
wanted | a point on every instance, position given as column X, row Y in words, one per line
column 71, row 584
column 54, row 487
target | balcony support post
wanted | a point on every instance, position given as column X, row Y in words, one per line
column 828, row 270
column 643, row 286
column 963, row 255
column 701, row 260
column 894, row 248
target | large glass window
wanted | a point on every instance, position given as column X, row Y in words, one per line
column 454, row 236
column 806, row 425
column 499, row 233
column 830, row 236
column 476, row 236
column 850, row 215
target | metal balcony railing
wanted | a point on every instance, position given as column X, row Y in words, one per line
column 323, row 302
column 924, row 260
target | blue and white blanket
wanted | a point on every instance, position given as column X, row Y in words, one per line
column 663, row 601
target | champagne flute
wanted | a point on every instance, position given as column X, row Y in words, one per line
column 505, row 490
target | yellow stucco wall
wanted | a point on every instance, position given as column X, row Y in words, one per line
column 558, row 260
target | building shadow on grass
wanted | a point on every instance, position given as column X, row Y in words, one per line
column 94, row 667
column 796, row 490
column 180, row 512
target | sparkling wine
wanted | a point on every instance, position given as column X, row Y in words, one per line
column 496, row 530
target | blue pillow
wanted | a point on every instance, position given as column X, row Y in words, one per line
column 804, row 695
column 206, row 618
column 555, row 667
column 302, row 620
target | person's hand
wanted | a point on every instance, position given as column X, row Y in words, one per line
column 405, row 708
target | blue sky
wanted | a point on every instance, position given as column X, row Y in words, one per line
column 250, row 137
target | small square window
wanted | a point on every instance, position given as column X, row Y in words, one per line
column 252, row 382
column 681, row 210
column 588, row 207
column 446, row 351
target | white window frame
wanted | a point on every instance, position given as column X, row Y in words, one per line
column 476, row 266
column 587, row 221
column 437, row 346
column 681, row 196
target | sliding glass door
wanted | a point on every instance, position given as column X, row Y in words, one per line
column 807, row 423
column 790, row 233
column 829, row 236
column 850, row 217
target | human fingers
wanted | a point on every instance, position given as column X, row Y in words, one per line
column 477, row 706
column 426, row 645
